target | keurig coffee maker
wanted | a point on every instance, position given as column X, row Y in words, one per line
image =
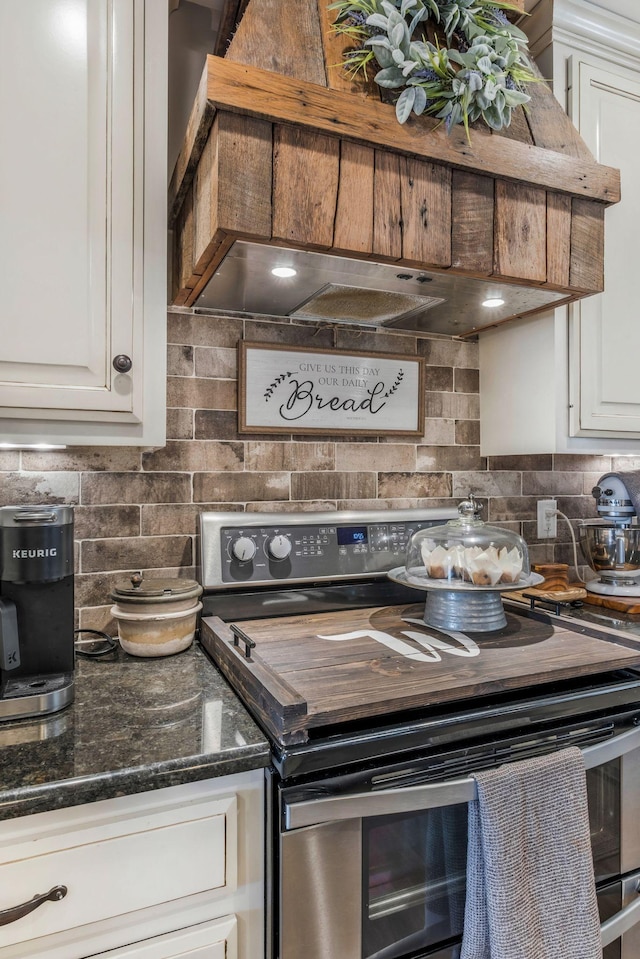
column 36, row 610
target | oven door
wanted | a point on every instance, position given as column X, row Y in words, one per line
column 379, row 873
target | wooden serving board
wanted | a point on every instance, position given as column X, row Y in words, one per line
column 622, row 604
column 555, row 595
column 296, row 679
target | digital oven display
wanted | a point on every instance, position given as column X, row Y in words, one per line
column 352, row 535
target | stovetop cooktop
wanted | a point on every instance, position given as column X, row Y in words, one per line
column 333, row 661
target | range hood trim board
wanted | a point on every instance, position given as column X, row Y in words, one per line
column 330, row 171
column 261, row 93
column 250, row 91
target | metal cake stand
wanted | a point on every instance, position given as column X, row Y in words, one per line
column 455, row 604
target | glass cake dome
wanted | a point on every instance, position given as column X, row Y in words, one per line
column 463, row 567
column 468, row 552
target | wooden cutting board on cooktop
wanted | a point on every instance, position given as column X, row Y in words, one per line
column 307, row 672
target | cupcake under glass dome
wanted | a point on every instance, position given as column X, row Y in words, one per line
column 464, row 566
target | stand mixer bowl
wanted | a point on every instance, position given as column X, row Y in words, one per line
column 613, row 552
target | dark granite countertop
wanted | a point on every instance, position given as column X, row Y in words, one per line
column 136, row 725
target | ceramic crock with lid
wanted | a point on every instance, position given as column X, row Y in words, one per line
column 156, row 617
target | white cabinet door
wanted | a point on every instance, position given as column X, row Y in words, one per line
column 82, row 268
column 606, row 109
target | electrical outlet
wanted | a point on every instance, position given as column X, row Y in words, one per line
column 547, row 520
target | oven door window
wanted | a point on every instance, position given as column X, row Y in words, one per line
column 413, row 881
column 604, row 792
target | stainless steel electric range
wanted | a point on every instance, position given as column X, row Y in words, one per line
column 376, row 722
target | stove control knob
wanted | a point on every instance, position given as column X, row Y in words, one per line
column 279, row 547
column 244, row 549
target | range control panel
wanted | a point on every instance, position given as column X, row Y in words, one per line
column 240, row 549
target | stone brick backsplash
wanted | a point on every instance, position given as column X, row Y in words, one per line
column 138, row 509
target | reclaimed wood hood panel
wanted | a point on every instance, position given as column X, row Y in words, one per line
column 280, row 151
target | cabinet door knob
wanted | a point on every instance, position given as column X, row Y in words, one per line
column 122, row 363
column 17, row 912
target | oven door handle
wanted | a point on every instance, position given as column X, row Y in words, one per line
column 314, row 812
column 615, row 927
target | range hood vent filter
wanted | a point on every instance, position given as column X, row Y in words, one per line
column 350, row 304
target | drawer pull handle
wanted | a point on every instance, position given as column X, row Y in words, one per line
column 17, row 912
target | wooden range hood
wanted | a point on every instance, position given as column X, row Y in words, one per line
column 281, row 149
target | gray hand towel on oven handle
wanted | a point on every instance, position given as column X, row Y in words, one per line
column 530, row 884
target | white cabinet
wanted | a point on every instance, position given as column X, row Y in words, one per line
column 567, row 382
column 606, row 108
column 83, row 226
column 176, row 872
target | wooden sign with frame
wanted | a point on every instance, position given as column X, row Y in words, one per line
column 285, row 389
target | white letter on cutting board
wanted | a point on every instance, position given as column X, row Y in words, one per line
column 470, row 648
column 431, row 644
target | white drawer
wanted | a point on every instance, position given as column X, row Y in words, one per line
column 115, row 858
column 209, row 940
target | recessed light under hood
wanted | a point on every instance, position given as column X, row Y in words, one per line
column 343, row 290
